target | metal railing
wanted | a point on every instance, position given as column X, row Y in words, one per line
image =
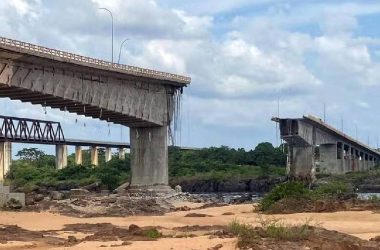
column 71, row 56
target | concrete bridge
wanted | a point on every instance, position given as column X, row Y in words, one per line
column 316, row 147
column 143, row 99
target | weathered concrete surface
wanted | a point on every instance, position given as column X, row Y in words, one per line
column 6, row 195
column 60, row 156
column 115, row 93
column 5, row 158
column 121, row 153
column 78, row 155
column 316, row 147
column 108, row 154
column 149, row 156
column 142, row 99
column 94, row 156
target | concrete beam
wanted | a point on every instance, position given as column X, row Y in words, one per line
column 94, row 156
column 78, row 155
column 108, row 154
column 60, row 156
column 5, row 159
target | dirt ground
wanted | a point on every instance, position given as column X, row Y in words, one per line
column 46, row 230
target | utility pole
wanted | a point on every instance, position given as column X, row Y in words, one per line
column 324, row 112
column 341, row 121
column 111, row 29
column 356, row 131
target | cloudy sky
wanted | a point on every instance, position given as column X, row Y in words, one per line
column 243, row 56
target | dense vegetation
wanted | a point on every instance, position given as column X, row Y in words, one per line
column 297, row 190
column 36, row 169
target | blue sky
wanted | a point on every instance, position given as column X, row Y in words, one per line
column 242, row 55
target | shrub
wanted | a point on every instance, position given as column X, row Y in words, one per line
column 331, row 189
column 152, row 233
column 284, row 190
column 276, row 229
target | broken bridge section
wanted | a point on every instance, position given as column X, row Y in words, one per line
column 315, row 147
column 142, row 99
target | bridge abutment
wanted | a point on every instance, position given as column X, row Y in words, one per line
column 149, row 158
column 60, row 156
column 5, row 159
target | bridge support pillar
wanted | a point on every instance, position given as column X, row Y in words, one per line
column 108, row 154
column 78, row 155
column 149, row 159
column 60, row 156
column 94, row 156
column 301, row 163
column 5, row 159
column 121, row 153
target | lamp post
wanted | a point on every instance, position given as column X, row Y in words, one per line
column 121, row 46
column 112, row 28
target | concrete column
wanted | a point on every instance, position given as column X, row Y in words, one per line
column 121, row 153
column 94, row 156
column 78, row 155
column 329, row 164
column 149, row 156
column 108, row 154
column 60, row 156
column 301, row 163
column 5, row 159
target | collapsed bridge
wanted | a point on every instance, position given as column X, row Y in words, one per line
column 143, row 99
column 316, row 147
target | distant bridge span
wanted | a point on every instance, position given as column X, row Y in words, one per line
column 142, row 99
column 317, row 147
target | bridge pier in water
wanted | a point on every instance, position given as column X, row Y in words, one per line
column 5, row 159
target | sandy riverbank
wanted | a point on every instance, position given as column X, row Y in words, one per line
column 363, row 224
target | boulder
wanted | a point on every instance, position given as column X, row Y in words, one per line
column 55, row 195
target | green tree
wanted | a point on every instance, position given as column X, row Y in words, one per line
column 30, row 154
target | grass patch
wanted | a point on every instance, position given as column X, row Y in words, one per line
column 281, row 191
column 269, row 228
column 152, row 233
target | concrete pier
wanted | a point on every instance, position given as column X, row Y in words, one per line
column 5, row 159
column 149, row 157
column 301, row 163
column 60, row 156
column 78, row 155
column 108, row 154
column 121, row 153
column 94, row 156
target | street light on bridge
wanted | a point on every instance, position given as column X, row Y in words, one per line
column 112, row 28
column 121, row 46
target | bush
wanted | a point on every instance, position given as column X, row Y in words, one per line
column 284, row 190
column 152, row 233
column 331, row 189
column 276, row 229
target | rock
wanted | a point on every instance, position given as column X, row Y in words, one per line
column 217, row 247
column 14, row 204
column 78, row 193
column 71, row 239
column 55, row 195
column 228, row 213
column 178, row 189
column 134, row 228
column 38, row 197
column 197, row 215
column 122, row 188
